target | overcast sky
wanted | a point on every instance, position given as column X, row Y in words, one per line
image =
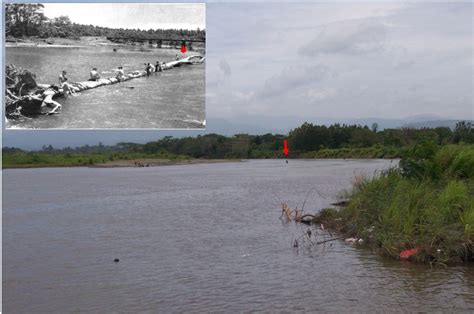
column 132, row 15
column 341, row 60
column 326, row 60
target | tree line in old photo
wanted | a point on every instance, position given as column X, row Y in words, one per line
column 28, row 20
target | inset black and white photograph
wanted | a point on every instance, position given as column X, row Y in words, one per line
column 105, row 66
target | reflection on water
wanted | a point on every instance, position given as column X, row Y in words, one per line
column 199, row 238
column 172, row 99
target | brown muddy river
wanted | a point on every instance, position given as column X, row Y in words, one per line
column 199, row 238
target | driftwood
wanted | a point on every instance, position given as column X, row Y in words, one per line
column 18, row 83
column 312, row 236
column 286, row 212
column 341, row 204
column 307, row 221
column 322, row 242
column 296, row 215
column 289, row 214
column 23, row 92
column 307, row 215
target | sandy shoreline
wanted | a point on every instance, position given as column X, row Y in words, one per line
column 59, row 42
column 36, row 45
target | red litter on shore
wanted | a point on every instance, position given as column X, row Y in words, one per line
column 406, row 254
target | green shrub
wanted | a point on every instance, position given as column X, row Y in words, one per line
column 418, row 162
column 326, row 214
column 463, row 164
column 434, row 215
column 445, row 156
column 453, row 201
column 467, row 220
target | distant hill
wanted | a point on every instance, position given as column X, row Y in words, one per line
column 283, row 125
column 382, row 123
column 434, row 124
column 416, row 121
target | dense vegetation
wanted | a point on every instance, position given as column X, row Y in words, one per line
column 309, row 137
column 26, row 19
column 306, row 141
column 426, row 204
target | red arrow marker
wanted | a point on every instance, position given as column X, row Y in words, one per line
column 183, row 49
column 285, row 148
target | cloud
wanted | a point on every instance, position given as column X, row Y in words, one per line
column 291, row 78
column 240, row 95
column 348, row 37
column 336, row 60
column 318, row 94
column 225, row 67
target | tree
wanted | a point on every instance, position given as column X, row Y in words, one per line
column 23, row 19
column 463, row 132
column 48, row 148
column 27, row 19
column 62, row 21
column 309, row 137
column 375, row 127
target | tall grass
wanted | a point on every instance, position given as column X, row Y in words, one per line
column 429, row 205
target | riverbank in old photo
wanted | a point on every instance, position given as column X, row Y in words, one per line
column 94, row 41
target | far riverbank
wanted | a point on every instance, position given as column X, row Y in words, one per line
column 139, row 162
column 41, row 159
column 81, row 42
column 57, row 42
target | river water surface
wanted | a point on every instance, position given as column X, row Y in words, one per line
column 171, row 99
column 199, row 238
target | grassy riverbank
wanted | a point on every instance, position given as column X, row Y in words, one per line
column 427, row 205
column 40, row 159
column 306, row 141
column 22, row 159
column 376, row 151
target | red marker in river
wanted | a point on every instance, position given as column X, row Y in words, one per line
column 285, row 148
column 183, row 48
